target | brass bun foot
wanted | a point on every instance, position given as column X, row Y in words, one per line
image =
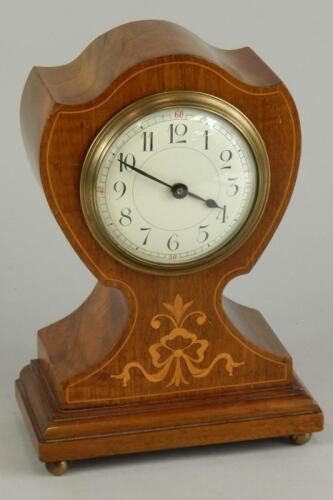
column 300, row 438
column 57, row 468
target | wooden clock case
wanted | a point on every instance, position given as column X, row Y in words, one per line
column 153, row 362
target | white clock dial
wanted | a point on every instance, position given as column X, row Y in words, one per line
column 176, row 185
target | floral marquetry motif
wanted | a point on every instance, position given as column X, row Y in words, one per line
column 178, row 351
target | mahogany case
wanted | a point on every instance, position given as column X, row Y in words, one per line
column 151, row 362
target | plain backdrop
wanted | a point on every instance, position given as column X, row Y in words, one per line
column 42, row 279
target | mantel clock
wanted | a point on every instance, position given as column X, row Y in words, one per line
column 168, row 164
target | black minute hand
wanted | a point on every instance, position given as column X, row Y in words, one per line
column 142, row 172
column 178, row 190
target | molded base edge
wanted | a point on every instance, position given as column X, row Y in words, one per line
column 86, row 433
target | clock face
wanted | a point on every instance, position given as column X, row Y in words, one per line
column 173, row 186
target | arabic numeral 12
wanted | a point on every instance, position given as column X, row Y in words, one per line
column 176, row 132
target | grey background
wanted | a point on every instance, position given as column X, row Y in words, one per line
column 42, row 279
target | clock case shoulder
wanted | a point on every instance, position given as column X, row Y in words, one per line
column 114, row 54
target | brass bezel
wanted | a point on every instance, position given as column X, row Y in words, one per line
column 125, row 118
